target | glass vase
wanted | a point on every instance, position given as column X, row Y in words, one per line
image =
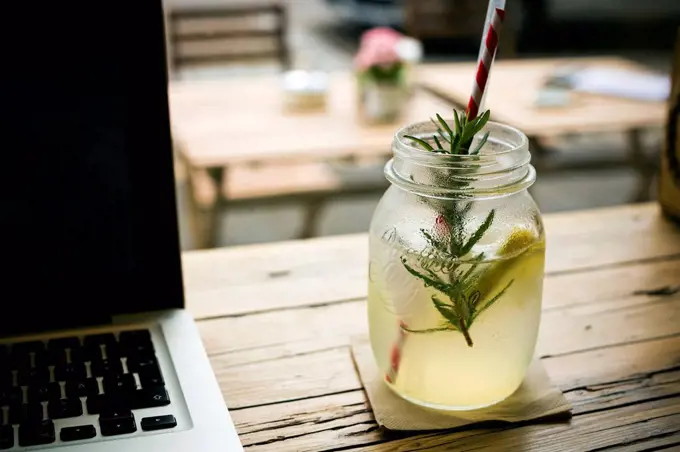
column 457, row 253
column 382, row 102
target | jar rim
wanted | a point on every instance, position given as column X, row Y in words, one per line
column 502, row 167
column 421, row 154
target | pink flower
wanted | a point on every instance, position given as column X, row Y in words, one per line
column 379, row 33
column 378, row 48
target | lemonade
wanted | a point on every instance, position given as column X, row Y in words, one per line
column 430, row 357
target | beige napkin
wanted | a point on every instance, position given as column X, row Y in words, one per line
column 536, row 398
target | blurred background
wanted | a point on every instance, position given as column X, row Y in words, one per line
column 276, row 140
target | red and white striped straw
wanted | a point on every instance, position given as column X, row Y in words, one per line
column 395, row 355
column 490, row 37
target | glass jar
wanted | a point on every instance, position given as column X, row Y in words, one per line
column 382, row 102
column 457, row 252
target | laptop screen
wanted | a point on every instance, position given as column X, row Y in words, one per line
column 88, row 215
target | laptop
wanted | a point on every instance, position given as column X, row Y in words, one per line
column 97, row 352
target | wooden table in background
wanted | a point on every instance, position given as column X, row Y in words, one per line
column 277, row 319
column 513, row 90
column 219, row 125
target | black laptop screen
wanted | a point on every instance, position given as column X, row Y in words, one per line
column 88, row 202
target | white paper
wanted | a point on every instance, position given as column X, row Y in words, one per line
column 622, row 83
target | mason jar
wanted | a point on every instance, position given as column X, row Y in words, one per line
column 457, row 252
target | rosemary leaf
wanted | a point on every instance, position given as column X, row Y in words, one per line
column 434, row 243
column 423, row 143
column 479, row 233
column 443, row 136
column 429, row 282
column 447, row 311
column 477, row 259
column 429, row 330
column 481, row 144
column 493, row 300
column 470, row 307
column 436, row 140
column 457, row 121
column 445, row 126
column 466, row 210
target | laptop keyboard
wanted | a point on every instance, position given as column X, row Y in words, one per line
column 103, row 374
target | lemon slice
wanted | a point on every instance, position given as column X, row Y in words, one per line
column 524, row 255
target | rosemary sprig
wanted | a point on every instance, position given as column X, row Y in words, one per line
column 459, row 302
column 457, row 140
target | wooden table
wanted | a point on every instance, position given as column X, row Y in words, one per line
column 277, row 320
column 218, row 125
column 514, row 87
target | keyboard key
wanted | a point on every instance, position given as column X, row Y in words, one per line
column 5, row 378
column 64, row 408
column 10, row 394
column 92, row 353
column 117, row 422
column 153, row 396
column 137, row 341
column 151, row 377
column 92, row 345
column 83, row 388
column 99, row 339
column 28, row 347
column 57, row 357
column 15, row 396
column 112, row 354
column 76, row 355
column 139, row 352
column 36, row 433
column 43, row 393
column 142, row 364
column 6, row 437
column 63, row 343
column 120, row 384
column 150, row 424
column 68, row 372
column 29, row 356
column 135, row 337
column 21, row 413
column 40, row 359
column 107, row 367
column 96, row 404
column 34, row 376
column 102, row 402
column 77, row 433
column 18, row 360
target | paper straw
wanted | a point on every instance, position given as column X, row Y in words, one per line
column 395, row 355
column 487, row 52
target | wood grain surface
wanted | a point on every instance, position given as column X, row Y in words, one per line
column 243, row 120
column 515, row 86
column 277, row 320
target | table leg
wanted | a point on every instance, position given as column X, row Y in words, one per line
column 538, row 157
column 311, row 218
column 538, row 152
column 644, row 166
column 217, row 174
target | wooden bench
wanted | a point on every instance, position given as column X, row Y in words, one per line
column 311, row 184
column 245, row 31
